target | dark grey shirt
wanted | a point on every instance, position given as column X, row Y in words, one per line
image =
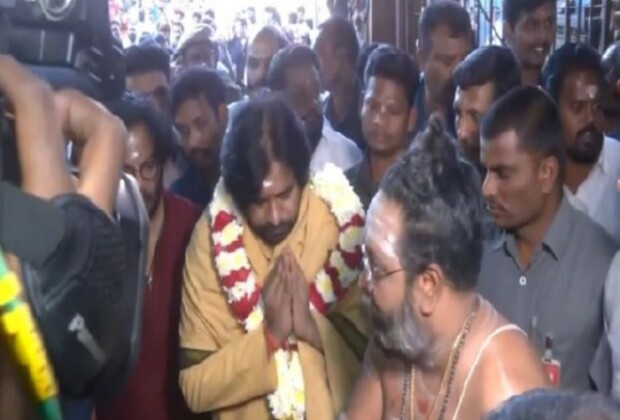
column 360, row 178
column 561, row 294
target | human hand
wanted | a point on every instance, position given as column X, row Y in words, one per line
column 277, row 301
column 41, row 149
column 303, row 322
column 81, row 117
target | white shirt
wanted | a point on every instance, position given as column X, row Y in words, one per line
column 334, row 148
column 597, row 196
column 612, row 318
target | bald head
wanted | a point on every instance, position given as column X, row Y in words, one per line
column 267, row 42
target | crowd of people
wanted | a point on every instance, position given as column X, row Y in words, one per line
column 173, row 25
column 340, row 230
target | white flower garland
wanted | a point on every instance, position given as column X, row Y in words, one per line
column 238, row 280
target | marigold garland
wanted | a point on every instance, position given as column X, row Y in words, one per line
column 342, row 267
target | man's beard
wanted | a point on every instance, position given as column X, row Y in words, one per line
column 587, row 147
column 273, row 235
column 400, row 334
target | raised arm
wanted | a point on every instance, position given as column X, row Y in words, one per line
column 102, row 139
column 40, row 144
column 42, row 121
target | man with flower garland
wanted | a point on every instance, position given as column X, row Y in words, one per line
column 269, row 323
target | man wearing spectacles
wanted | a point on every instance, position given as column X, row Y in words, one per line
column 437, row 349
column 152, row 391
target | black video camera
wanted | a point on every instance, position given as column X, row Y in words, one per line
column 69, row 43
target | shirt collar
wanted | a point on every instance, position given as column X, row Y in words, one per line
column 556, row 238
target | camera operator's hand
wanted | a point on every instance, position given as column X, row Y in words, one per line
column 102, row 138
column 41, row 117
column 37, row 129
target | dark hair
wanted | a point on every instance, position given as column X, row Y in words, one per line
column 514, row 9
column 275, row 34
column 342, row 36
column 261, row 131
column 292, row 18
column 146, row 58
column 546, row 404
column 196, row 82
column 293, row 56
column 362, row 60
column 439, row 193
column 533, row 115
column 133, row 111
column 210, row 13
column 566, row 60
column 489, row 64
column 275, row 15
column 448, row 13
column 393, row 64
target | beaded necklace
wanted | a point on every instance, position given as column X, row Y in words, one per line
column 447, row 379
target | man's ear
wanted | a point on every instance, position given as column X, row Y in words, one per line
column 548, row 173
column 429, row 285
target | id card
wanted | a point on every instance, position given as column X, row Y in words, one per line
column 553, row 369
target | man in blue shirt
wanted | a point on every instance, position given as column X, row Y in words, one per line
column 200, row 114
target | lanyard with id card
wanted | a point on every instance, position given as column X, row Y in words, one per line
column 552, row 366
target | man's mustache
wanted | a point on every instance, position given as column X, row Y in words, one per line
column 590, row 129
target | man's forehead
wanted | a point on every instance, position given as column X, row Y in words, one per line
column 263, row 47
column 583, row 85
column 302, row 76
column 139, row 143
column 204, row 45
column 382, row 88
column 147, row 80
column 477, row 94
column 505, row 145
column 383, row 222
column 445, row 41
column 543, row 12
